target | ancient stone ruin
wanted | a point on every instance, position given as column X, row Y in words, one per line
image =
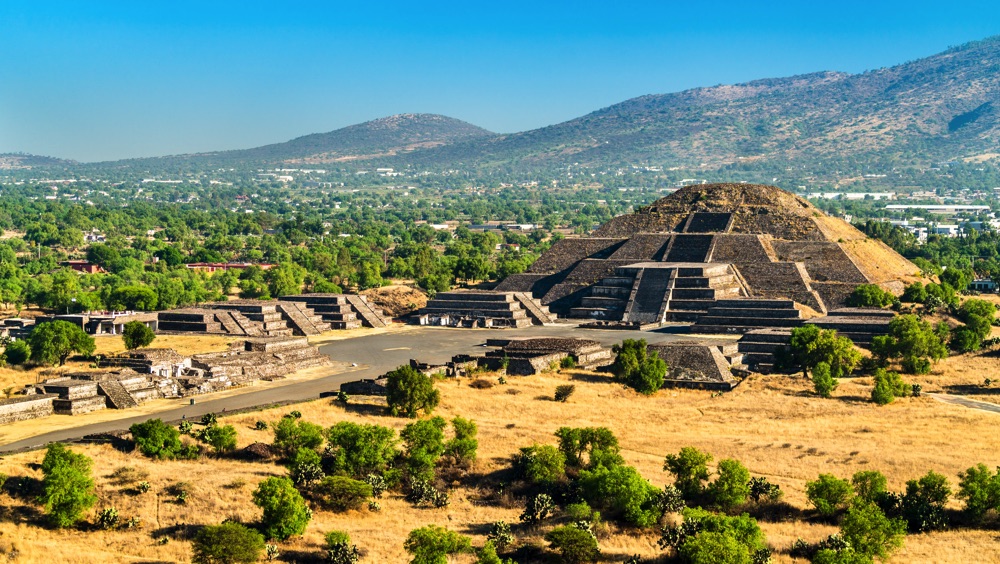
column 341, row 311
column 706, row 365
column 472, row 308
column 251, row 318
column 720, row 256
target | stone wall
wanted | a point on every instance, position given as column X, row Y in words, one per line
column 566, row 252
column 21, row 408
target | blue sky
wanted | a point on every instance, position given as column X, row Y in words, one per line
column 108, row 80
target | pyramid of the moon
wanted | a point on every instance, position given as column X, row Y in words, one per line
column 680, row 255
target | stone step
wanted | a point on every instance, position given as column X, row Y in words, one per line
column 683, row 316
column 116, row 394
column 611, row 291
column 602, row 302
column 595, row 313
column 620, row 281
column 690, row 305
column 757, row 322
column 754, row 313
column 366, row 313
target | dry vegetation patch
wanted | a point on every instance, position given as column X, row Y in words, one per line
column 773, row 424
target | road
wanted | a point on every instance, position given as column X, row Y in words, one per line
column 967, row 402
column 374, row 354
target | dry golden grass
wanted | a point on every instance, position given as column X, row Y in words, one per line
column 773, row 424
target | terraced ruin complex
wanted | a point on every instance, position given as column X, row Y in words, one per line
column 725, row 257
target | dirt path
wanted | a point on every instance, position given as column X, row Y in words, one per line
column 966, row 402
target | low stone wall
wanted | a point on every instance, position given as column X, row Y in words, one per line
column 21, row 408
column 78, row 406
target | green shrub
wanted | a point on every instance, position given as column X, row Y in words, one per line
column 17, row 353
column 690, row 470
column 829, row 494
column 637, row 368
column 761, row 489
column 284, row 511
column 462, row 449
column 500, row 535
column 157, row 439
column 339, row 549
column 222, row 438
column 707, row 537
column 888, row 387
column 359, row 450
column 567, row 362
column 870, row 295
column 585, row 447
column 107, row 518
column 869, row 485
column 575, row 545
column 340, row 493
column 228, row 543
column 305, row 468
column 541, row 464
column 823, row 380
column 433, row 544
column 923, row 504
column 408, row 392
column 622, row 493
column 538, row 508
column 423, row 445
column 67, row 486
column 291, row 434
column 870, row 533
column 732, row 487
column 563, row 392
column 980, row 490
column 965, row 339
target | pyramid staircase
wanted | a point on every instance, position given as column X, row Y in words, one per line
column 117, row 396
column 743, row 315
column 656, row 292
column 301, row 319
column 536, row 311
column 369, row 315
column 332, row 309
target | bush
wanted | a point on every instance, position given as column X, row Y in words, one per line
column 53, row 341
column 823, row 380
column 339, row 493
column 574, row 544
column 811, row 346
column 711, row 548
column 870, row 295
column 567, row 362
column 538, row 508
column 136, row 335
column 980, row 489
column 763, row 490
column 889, row 386
column 912, row 340
column 599, row 445
column 690, row 470
column 17, row 353
column 107, row 519
column 621, row 492
column 423, row 445
column 500, row 535
column 157, row 439
column 432, row 544
column 339, row 549
column 732, row 487
column 291, row 434
column 285, row 512
column 563, row 392
column 923, row 504
column 481, row 384
column 541, row 464
column 706, row 537
column 462, row 449
column 869, row 532
column 869, row 485
column 306, row 468
column 965, row 339
column 635, row 367
column 220, row 438
column 408, row 392
column 359, row 450
column 67, row 487
column 829, row 494
column 488, row 555
column 228, row 543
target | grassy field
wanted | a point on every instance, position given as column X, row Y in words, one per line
column 773, row 424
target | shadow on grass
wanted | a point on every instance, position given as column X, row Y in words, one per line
column 363, row 408
column 971, row 390
column 303, row 556
column 182, row 531
column 591, row 378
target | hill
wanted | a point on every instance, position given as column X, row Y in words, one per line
column 941, row 107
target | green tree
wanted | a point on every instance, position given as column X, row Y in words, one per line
column 137, row 334
column 823, row 380
column 541, row 464
column 53, row 341
column 711, row 548
column 291, row 434
column 284, row 511
column 923, row 503
column 155, row 438
column 623, row 493
column 870, row 295
column 341, row 493
column 637, row 368
column 731, row 488
column 67, row 487
column 408, row 392
column 869, row 485
column 432, row 544
column 575, row 545
column 222, row 438
column 228, row 543
column 811, row 346
column 912, row 340
column 690, row 470
column 588, row 446
column 888, row 387
column 462, row 448
column 17, row 353
column 423, row 445
column 829, row 494
column 869, row 532
column 358, row 450
column 980, row 490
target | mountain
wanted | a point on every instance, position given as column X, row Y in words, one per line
column 377, row 139
column 13, row 161
column 938, row 108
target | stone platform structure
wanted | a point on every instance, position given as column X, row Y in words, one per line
column 245, row 318
column 341, row 311
column 670, row 260
column 473, row 308
column 705, row 365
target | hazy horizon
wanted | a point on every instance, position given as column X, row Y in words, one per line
column 123, row 81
